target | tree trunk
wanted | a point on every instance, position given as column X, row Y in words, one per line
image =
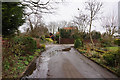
column 91, row 35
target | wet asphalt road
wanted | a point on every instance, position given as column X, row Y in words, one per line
column 62, row 61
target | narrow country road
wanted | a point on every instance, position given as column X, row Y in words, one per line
column 63, row 61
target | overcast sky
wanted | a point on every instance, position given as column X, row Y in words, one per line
column 69, row 9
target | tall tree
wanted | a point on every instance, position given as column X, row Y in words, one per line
column 12, row 17
column 109, row 23
column 52, row 26
column 38, row 8
column 34, row 21
column 93, row 7
column 81, row 21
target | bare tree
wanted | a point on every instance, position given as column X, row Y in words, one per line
column 34, row 21
column 81, row 21
column 40, row 6
column 93, row 7
column 62, row 24
column 52, row 27
column 36, row 30
column 35, row 9
column 110, row 25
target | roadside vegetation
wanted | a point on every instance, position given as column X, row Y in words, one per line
column 102, row 48
column 18, row 53
column 20, row 49
column 109, row 57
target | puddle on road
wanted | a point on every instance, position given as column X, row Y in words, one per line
column 66, row 49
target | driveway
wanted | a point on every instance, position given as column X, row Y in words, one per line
column 63, row 61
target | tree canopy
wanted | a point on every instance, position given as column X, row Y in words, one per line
column 12, row 17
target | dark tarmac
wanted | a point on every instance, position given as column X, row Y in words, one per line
column 63, row 61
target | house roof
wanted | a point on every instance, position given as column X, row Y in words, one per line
column 68, row 28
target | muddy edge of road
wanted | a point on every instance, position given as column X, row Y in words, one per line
column 31, row 67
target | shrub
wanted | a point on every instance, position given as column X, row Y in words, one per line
column 117, row 42
column 95, row 55
column 118, row 71
column 117, row 54
column 105, row 43
column 112, row 58
column 109, row 58
column 82, row 51
column 23, row 45
column 42, row 46
column 100, row 51
column 78, row 43
column 49, row 39
column 57, row 38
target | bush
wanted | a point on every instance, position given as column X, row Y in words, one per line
column 100, row 51
column 112, row 58
column 49, row 40
column 95, row 55
column 42, row 46
column 109, row 59
column 57, row 38
column 78, row 43
column 118, row 71
column 105, row 43
column 82, row 51
column 117, row 42
column 23, row 45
